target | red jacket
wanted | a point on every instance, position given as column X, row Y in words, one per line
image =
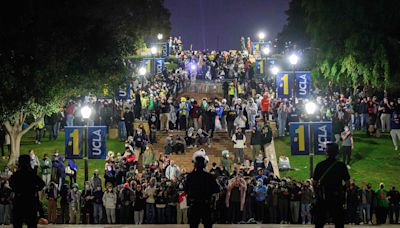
column 265, row 103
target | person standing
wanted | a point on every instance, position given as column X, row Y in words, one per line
column 164, row 114
column 45, row 165
column 261, row 194
column 395, row 127
column 347, row 145
column 265, row 103
column 25, row 184
column 34, row 161
column 5, row 203
column 140, row 203
column 382, row 204
column 110, row 202
column 239, row 140
column 98, row 205
column 52, row 195
column 200, row 186
column 365, row 197
column 394, row 199
column 74, row 199
column 255, row 142
column 230, row 118
column 385, row 110
column 150, row 202
column 128, row 119
column 328, row 179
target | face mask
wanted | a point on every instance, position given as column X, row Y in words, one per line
column 110, row 189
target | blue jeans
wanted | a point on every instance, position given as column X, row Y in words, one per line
column 161, row 215
column 150, row 213
column 364, row 118
column 305, row 212
column 5, row 212
column 365, row 210
column 121, row 130
column 97, row 213
column 70, row 120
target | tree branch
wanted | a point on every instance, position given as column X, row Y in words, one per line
column 23, row 132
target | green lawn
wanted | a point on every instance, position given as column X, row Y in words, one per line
column 28, row 142
column 373, row 160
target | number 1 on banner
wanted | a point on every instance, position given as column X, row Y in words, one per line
column 75, row 142
column 148, row 63
column 300, row 138
column 285, row 80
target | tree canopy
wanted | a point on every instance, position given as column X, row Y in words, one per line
column 353, row 42
column 50, row 50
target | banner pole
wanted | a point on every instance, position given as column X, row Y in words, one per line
column 86, row 153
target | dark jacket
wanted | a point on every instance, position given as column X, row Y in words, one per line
column 256, row 138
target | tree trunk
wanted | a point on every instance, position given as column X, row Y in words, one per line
column 15, row 139
column 14, row 129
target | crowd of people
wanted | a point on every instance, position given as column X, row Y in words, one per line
column 138, row 187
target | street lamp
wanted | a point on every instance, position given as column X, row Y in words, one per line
column 311, row 108
column 261, row 36
column 153, row 50
column 274, row 70
column 159, row 36
column 86, row 111
column 142, row 71
column 266, row 50
column 293, row 59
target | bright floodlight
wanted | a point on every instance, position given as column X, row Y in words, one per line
column 193, row 66
column 274, row 70
column 266, row 50
column 153, row 50
column 142, row 71
column 311, row 107
column 293, row 59
column 159, row 36
column 261, row 35
column 86, row 111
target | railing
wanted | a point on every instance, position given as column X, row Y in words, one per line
column 202, row 87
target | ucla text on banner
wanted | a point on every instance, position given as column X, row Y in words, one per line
column 322, row 132
column 123, row 93
column 303, row 84
column 165, row 50
column 299, row 141
column 284, row 84
column 97, row 142
column 260, row 66
column 73, row 142
column 148, row 63
column 159, row 65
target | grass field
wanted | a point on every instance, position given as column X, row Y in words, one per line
column 373, row 160
column 28, row 142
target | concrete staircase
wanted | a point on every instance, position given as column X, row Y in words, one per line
column 221, row 141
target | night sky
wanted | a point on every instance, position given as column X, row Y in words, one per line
column 219, row 24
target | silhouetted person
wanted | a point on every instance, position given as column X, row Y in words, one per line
column 328, row 177
column 199, row 188
column 25, row 185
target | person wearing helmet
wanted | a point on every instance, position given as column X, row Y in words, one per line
column 199, row 188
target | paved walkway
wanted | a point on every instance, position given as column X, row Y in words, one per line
column 215, row 226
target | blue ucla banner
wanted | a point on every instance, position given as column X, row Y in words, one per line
column 299, row 141
column 148, row 63
column 260, row 66
column 123, row 92
column 165, row 50
column 284, row 85
column 73, row 142
column 322, row 132
column 303, row 84
column 159, row 65
column 97, row 142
